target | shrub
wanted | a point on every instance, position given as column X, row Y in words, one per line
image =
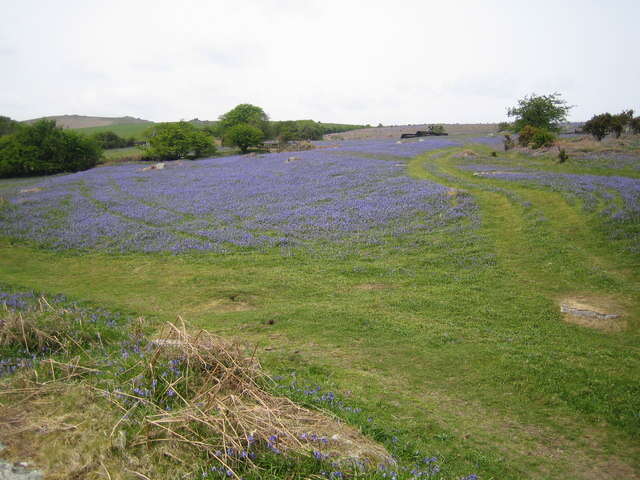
column 541, row 111
column 635, row 125
column 43, row 149
column 244, row 136
column 171, row 141
column 599, row 126
column 535, row 137
column 562, row 156
column 542, row 138
column 526, row 135
column 620, row 121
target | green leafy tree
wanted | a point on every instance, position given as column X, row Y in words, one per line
column 170, row 141
column 43, row 148
column 541, row 111
column 635, row 125
column 244, row 136
column 245, row 114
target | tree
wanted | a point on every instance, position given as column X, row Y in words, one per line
column 8, row 126
column 244, row 136
column 246, row 114
column 635, row 125
column 541, row 111
column 599, row 125
column 170, row 141
column 620, row 121
column 43, row 148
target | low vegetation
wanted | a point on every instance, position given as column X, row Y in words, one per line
column 604, row 124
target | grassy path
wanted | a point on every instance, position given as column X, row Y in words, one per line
column 455, row 346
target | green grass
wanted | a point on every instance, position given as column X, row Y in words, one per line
column 126, row 130
column 122, row 154
column 455, row 346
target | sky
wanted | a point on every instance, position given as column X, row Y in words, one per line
column 364, row 62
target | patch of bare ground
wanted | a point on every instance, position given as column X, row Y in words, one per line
column 226, row 304
column 465, row 154
column 601, row 313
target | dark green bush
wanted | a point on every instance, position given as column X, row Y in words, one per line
column 8, row 126
column 43, row 149
column 108, row 140
column 620, row 121
column 599, row 125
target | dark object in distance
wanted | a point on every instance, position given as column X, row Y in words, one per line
column 422, row 133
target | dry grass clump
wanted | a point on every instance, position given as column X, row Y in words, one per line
column 222, row 408
column 84, row 408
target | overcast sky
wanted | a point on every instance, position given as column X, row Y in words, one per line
column 344, row 61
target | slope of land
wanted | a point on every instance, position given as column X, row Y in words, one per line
column 83, row 121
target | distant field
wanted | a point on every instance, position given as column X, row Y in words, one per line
column 134, row 130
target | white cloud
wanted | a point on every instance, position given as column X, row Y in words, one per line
column 350, row 61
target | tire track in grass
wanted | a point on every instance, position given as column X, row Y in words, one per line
column 537, row 234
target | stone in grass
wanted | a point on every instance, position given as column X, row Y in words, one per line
column 17, row 471
column 592, row 313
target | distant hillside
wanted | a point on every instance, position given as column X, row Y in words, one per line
column 125, row 130
column 395, row 131
column 82, row 121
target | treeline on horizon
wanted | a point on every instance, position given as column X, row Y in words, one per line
column 41, row 147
